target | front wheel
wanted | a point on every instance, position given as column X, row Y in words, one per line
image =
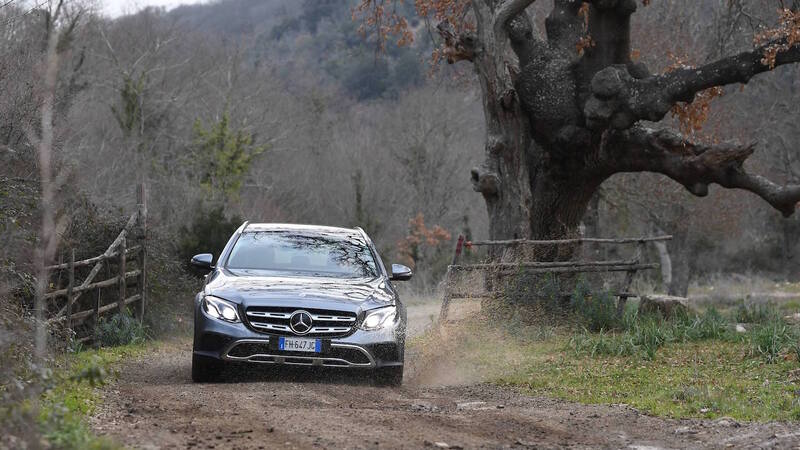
column 205, row 370
column 389, row 376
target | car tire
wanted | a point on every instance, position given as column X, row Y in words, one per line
column 205, row 370
column 389, row 376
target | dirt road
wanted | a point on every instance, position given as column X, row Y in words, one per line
column 154, row 404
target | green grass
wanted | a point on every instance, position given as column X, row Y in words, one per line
column 790, row 306
column 73, row 396
column 708, row 379
column 697, row 371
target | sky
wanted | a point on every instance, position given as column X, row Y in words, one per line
column 116, row 8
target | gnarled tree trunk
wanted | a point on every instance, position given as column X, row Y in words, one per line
column 563, row 113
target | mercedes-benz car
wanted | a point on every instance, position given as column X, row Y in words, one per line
column 302, row 295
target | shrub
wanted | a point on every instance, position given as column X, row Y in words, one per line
column 595, row 311
column 170, row 288
column 529, row 298
column 122, row 329
column 21, row 378
column 208, row 232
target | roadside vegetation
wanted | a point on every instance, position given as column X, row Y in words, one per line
column 46, row 404
column 695, row 364
column 72, row 396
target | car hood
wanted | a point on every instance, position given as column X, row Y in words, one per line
column 259, row 288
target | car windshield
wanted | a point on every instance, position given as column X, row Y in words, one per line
column 325, row 254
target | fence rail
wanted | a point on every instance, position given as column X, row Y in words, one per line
column 88, row 262
column 571, row 241
column 118, row 253
column 629, row 266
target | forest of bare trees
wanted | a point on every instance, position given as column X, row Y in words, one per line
column 418, row 121
column 335, row 131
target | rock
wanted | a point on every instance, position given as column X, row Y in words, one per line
column 471, row 405
column 793, row 318
column 441, row 445
column 727, row 422
column 740, row 328
column 667, row 305
column 685, row 430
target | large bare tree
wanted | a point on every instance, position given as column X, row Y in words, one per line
column 567, row 110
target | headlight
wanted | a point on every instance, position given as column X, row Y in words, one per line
column 220, row 309
column 379, row 318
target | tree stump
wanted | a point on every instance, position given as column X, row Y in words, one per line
column 666, row 305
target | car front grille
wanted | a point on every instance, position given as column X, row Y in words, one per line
column 325, row 322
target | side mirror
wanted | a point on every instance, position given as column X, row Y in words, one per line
column 203, row 262
column 400, row 273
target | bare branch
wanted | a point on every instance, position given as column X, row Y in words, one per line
column 510, row 9
column 619, row 99
column 695, row 166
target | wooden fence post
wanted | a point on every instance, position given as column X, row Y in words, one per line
column 626, row 287
column 122, row 280
column 447, row 294
column 141, row 197
column 70, row 287
column 96, row 314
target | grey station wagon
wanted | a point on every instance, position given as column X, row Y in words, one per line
column 299, row 295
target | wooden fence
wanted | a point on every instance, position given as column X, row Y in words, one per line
column 629, row 266
column 128, row 255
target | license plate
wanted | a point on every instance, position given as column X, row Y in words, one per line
column 300, row 345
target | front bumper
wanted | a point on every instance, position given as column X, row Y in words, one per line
column 235, row 342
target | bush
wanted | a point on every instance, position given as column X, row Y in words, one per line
column 595, row 311
column 527, row 296
column 21, row 378
column 122, row 329
column 208, row 232
column 170, row 288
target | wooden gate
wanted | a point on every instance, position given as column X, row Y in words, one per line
column 128, row 255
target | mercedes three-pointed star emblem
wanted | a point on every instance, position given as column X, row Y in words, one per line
column 300, row 322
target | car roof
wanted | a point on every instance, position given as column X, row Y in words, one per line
column 255, row 227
